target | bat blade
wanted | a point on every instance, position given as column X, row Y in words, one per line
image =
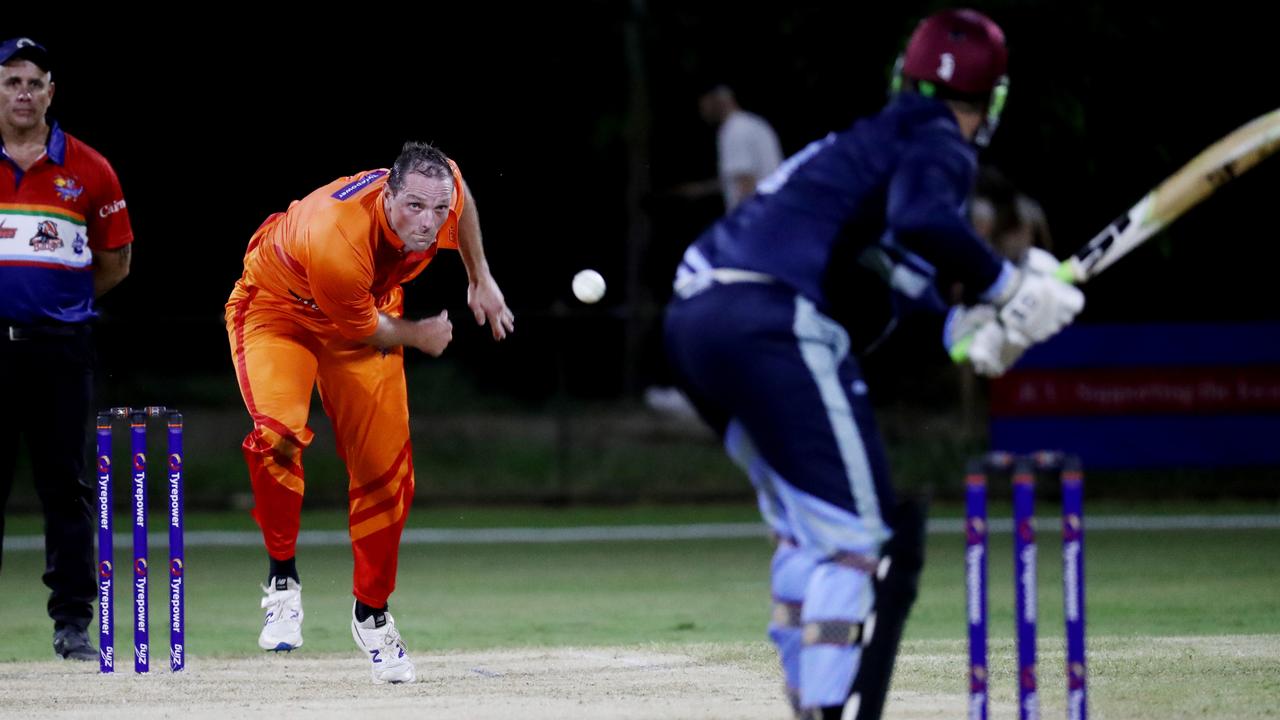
column 1214, row 167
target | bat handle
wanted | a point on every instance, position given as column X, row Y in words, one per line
column 960, row 351
column 1071, row 271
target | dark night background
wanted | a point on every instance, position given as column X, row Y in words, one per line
column 567, row 119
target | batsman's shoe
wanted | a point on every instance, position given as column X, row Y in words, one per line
column 72, row 643
column 378, row 638
column 282, row 622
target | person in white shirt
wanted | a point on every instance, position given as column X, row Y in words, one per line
column 746, row 146
column 747, row 150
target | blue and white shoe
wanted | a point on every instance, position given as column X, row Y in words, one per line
column 282, row 623
column 378, row 638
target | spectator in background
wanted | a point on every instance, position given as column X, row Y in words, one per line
column 65, row 239
column 747, row 149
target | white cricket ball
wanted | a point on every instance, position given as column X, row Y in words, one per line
column 588, row 286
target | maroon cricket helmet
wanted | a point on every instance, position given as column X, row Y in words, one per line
column 961, row 50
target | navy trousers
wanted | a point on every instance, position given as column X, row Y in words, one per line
column 759, row 357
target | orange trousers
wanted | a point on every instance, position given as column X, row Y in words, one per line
column 281, row 351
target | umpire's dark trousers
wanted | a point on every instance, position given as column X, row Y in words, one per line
column 46, row 376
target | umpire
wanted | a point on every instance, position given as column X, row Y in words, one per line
column 64, row 241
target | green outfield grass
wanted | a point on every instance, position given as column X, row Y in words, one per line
column 1143, row 588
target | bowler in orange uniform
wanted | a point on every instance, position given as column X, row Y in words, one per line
column 321, row 304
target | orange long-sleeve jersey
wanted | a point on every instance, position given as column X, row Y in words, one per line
column 333, row 252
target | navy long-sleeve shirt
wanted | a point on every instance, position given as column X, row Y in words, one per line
column 899, row 179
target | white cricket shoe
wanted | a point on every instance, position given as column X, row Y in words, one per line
column 282, row 623
column 378, row 638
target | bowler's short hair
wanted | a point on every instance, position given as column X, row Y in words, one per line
column 418, row 157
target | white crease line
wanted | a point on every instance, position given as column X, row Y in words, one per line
column 627, row 533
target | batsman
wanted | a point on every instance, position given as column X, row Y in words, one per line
column 320, row 304
column 750, row 332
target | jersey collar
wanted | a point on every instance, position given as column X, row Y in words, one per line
column 55, row 148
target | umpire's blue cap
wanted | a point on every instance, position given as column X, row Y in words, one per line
column 24, row 49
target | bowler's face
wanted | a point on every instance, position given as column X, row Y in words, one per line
column 417, row 212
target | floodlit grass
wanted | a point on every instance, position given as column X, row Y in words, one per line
column 1181, row 623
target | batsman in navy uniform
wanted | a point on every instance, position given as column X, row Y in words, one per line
column 65, row 239
column 750, row 332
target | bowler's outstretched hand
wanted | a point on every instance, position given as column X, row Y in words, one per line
column 486, row 301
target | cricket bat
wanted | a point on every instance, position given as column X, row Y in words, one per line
column 1217, row 165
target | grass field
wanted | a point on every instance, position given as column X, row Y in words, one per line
column 1181, row 623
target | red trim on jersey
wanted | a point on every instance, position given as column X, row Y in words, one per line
column 289, row 262
column 50, row 266
column 242, row 371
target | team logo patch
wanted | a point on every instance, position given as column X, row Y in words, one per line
column 67, row 188
column 78, row 244
column 946, row 66
column 1027, row 530
column 974, row 529
column 309, row 302
column 356, row 186
column 1071, row 527
column 46, row 237
column 7, row 233
column 1028, row 677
